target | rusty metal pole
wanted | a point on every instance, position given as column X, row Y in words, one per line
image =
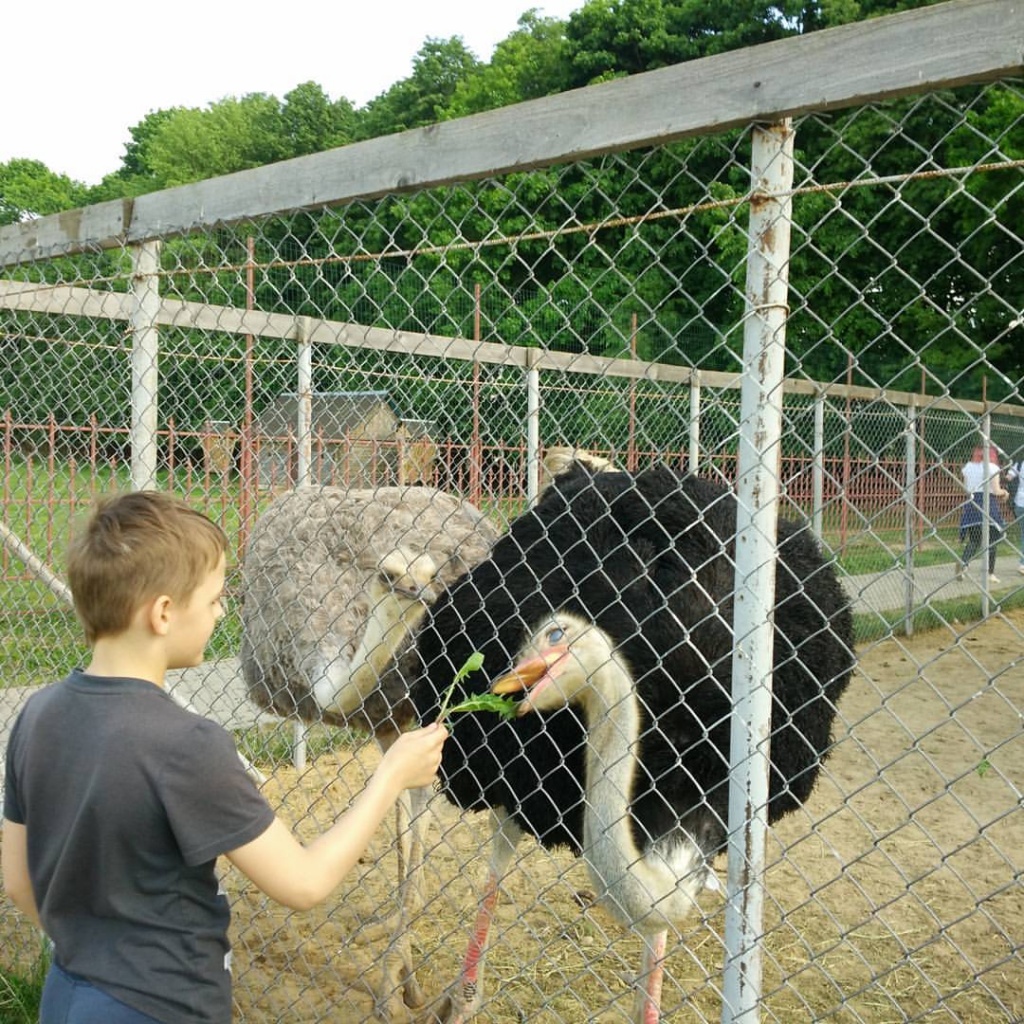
column 818, row 470
column 757, row 494
column 304, row 403
column 532, row 428
column 844, row 505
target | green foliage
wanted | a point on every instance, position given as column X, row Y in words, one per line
column 529, row 64
column 422, row 98
column 312, row 122
column 472, row 664
column 607, row 38
column 915, row 249
column 231, row 135
column 882, row 270
column 503, row 706
column 28, row 188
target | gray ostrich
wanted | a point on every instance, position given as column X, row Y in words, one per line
column 334, row 581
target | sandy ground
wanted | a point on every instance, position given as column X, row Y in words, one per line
column 894, row 895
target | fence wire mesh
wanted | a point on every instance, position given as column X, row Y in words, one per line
column 314, row 363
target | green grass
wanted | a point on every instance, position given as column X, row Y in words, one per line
column 936, row 615
column 21, row 990
column 268, row 746
column 40, row 639
column 880, row 550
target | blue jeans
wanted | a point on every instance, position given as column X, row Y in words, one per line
column 68, row 999
column 1019, row 513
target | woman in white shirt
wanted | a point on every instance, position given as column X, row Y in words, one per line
column 1015, row 477
column 972, row 516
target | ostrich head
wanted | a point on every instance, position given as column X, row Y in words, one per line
column 398, row 595
column 564, row 662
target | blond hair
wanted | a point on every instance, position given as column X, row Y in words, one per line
column 135, row 547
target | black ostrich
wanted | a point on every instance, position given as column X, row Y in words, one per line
column 642, row 565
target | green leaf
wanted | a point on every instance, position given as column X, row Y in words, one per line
column 504, row 706
column 473, row 664
column 480, row 702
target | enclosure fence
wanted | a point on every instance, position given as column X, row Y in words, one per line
column 774, row 295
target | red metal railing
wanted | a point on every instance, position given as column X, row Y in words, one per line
column 52, row 470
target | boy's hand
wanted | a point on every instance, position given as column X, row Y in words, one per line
column 414, row 759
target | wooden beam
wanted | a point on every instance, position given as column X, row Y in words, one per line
column 917, row 51
column 66, row 300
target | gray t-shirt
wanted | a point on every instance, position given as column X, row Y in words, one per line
column 127, row 801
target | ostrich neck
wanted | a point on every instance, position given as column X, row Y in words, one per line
column 649, row 886
column 613, row 721
column 344, row 687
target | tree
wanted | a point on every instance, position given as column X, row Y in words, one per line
column 529, row 63
column 230, row 135
column 313, row 123
column 422, row 98
column 609, row 38
column 136, row 160
column 28, row 189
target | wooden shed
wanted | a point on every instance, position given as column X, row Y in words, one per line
column 358, row 440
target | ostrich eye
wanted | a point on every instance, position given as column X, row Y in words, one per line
column 556, row 635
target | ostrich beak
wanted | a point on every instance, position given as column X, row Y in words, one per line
column 532, row 675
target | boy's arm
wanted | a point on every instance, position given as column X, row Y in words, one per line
column 14, row 864
column 301, row 876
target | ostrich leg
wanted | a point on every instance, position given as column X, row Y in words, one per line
column 399, row 985
column 648, row 994
column 463, row 1001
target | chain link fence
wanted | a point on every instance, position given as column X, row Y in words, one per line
column 513, row 287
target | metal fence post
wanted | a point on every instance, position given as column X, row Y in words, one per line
column 694, row 455
column 304, row 405
column 532, row 433
column 757, row 491
column 145, row 308
column 986, row 502
column 303, row 472
column 909, row 517
column 818, row 469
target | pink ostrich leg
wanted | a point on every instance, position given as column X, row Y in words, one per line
column 649, row 994
column 467, row 995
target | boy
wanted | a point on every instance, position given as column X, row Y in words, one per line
column 118, row 802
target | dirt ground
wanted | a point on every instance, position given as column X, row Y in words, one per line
column 894, row 895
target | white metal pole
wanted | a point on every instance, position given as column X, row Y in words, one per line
column 694, row 454
column 532, row 434
column 145, row 363
column 986, row 524
column 909, row 517
column 757, row 493
column 304, row 405
column 303, row 472
column 818, row 469
column 35, row 565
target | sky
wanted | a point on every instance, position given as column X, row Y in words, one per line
column 77, row 76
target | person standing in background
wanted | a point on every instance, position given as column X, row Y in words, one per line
column 1014, row 479
column 972, row 517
